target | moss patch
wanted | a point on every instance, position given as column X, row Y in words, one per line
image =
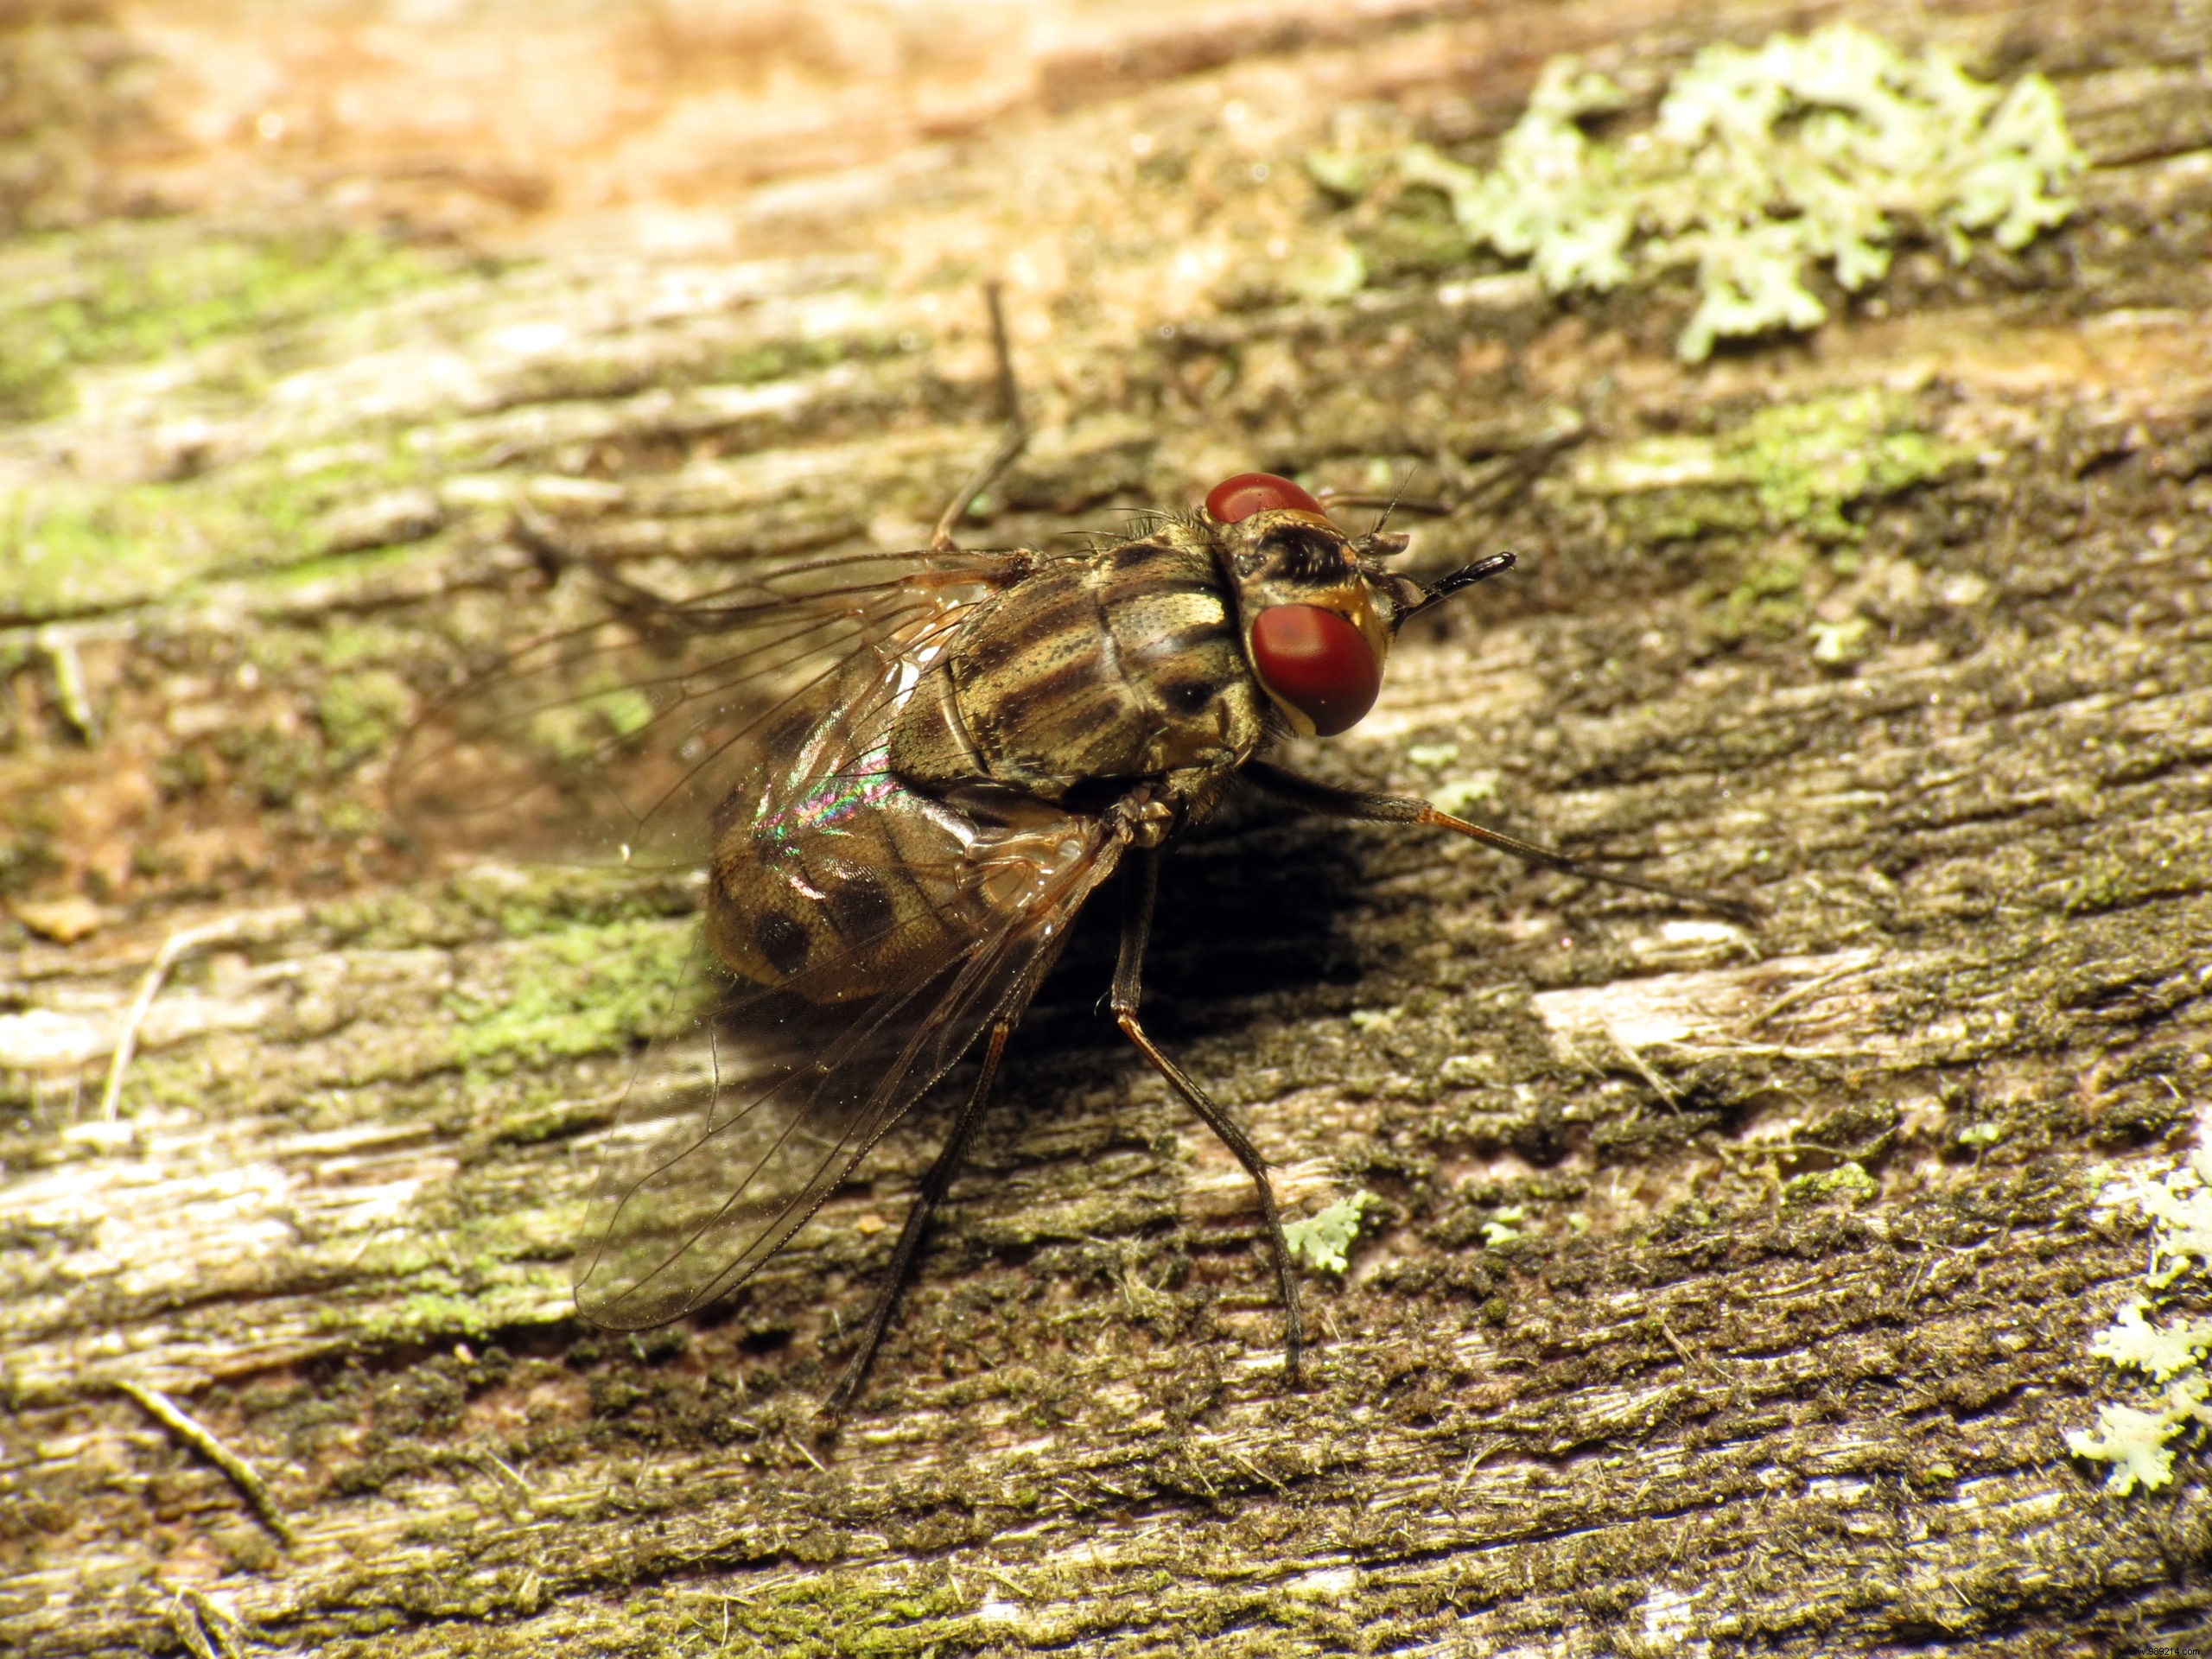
column 819, row 1615
column 139, row 292
column 1799, row 470
column 585, row 989
column 440, row 1308
column 359, row 713
column 68, row 548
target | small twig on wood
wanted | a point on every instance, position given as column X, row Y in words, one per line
column 1790, row 999
column 184, row 1619
column 211, row 1621
column 221, row 930
column 1688, row 1357
column 201, row 1438
column 71, row 693
column 1474, row 1456
column 1254, row 1469
column 1643, row 1069
column 492, row 1460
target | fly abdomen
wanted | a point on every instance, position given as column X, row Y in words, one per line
column 835, row 884
column 1125, row 663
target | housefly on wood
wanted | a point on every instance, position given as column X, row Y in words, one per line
column 904, row 775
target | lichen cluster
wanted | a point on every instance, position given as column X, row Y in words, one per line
column 2170, row 1348
column 1824, row 150
column 1322, row 1242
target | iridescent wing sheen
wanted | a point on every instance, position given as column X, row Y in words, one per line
column 733, row 1134
column 620, row 740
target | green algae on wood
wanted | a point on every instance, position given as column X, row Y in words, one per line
column 1796, row 466
column 72, row 547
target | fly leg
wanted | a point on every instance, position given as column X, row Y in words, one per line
column 930, row 1193
column 1329, row 801
column 1009, row 446
column 1136, row 927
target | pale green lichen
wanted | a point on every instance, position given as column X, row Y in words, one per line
column 1321, row 1240
column 2133, row 1440
column 1500, row 1228
column 2158, row 1351
column 1848, row 1181
column 1810, row 149
column 1457, row 795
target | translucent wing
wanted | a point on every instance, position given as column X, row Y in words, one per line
column 750, row 727
column 734, row 1134
column 620, row 740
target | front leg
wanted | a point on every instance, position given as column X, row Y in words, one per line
column 1364, row 807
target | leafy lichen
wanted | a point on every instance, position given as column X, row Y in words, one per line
column 1818, row 150
column 1321, row 1240
column 2135, row 1441
column 1500, row 1228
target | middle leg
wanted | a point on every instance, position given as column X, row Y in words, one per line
column 926, row 1199
column 1136, row 928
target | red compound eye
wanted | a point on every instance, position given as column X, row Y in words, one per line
column 1249, row 492
column 1316, row 662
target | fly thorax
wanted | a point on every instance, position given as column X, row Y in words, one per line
column 1120, row 663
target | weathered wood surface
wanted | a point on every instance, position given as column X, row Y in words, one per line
column 1614, row 1377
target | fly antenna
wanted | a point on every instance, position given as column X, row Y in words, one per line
column 1391, row 505
column 1466, row 576
column 1331, row 499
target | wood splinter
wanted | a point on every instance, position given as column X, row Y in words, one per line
column 201, row 1438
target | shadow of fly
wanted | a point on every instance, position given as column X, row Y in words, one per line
column 904, row 775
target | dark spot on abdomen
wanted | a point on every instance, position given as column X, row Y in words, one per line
column 858, row 905
column 782, row 941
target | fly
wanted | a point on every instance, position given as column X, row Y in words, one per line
column 904, row 775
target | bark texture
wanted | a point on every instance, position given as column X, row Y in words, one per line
column 1722, row 1290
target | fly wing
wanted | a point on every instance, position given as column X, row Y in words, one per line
column 733, row 1134
column 763, row 711
column 619, row 741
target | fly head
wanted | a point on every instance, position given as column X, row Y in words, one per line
column 1317, row 608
